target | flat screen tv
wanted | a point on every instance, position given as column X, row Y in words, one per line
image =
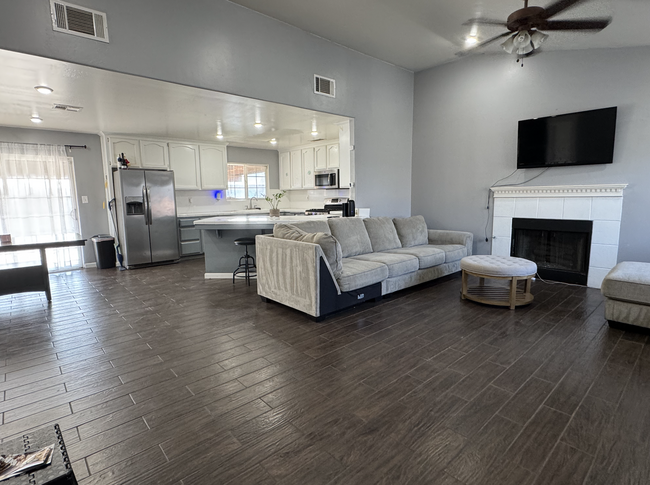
column 582, row 138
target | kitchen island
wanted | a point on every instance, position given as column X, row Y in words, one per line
column 219, row 234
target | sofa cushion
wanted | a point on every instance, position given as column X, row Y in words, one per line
column 357, row 274
column 453, row 252
column 412, row 231
column 313, row 226
column 427, row 255
column 351, row 233
column 382, row 233
column 398, row 264
column 628, row 281
column 328, row 243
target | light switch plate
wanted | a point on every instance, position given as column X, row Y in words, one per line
column 84, row 199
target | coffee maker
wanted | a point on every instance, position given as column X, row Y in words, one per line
column 342, row 205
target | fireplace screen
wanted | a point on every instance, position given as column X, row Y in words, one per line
column 560, row 248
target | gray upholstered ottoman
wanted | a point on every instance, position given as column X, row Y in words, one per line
column 498, row 267
column 627, row 294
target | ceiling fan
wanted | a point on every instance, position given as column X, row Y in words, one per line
column 525, row 27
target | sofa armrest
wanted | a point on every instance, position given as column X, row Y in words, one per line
column 452, row 237
column 289, row 272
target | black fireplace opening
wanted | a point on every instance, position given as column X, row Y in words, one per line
column 560, row 248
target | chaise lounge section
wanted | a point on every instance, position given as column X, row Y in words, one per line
column 320, row 267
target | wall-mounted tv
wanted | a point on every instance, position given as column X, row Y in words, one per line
column 582, row 138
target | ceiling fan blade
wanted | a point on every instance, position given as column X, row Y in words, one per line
column 559, row 6
column 483, row 44
column 584, row 24
column 485, row 22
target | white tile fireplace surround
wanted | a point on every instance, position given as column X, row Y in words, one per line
column 602, row 204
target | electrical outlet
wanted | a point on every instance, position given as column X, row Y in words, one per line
column 84, row 199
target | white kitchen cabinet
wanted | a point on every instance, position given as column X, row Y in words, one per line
column 296, row 169
column 130, row 147
column 214, row 167
column 185, row 162
column 285, row 171
column 307, row 168
column 154, row 154
column 320, row 157
column 333, row 155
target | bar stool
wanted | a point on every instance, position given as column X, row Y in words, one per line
column 247, row 268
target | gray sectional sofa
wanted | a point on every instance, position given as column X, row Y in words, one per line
column 320, row 267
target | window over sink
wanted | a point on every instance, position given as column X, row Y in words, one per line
column 246, row 181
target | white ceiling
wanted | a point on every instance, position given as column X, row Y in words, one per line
column 123, row 104
column 418, row 34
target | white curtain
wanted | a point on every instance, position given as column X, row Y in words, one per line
column 38, row 202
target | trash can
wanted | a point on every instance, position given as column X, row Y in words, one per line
column 104, row 250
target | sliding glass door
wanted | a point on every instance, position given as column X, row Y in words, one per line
column 38, row 202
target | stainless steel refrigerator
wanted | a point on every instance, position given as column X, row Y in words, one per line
column 146, row 214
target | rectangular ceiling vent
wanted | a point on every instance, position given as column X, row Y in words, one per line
column 67, row 107
column 324, row 86
column 81, row 21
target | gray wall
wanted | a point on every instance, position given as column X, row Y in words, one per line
column 218, row 45
column 256, row 156
column 465, row 135
column 88, row 175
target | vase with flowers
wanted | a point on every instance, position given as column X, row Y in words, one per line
column 274, row 201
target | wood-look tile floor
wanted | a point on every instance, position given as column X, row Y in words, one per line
column 158, row 376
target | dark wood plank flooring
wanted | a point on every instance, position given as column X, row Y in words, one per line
column 158, row 376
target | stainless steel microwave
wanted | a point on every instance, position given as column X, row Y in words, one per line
column 326, row 179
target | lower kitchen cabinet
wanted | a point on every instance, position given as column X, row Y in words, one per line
column 189, row 237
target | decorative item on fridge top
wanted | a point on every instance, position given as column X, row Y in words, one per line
column 123, row 162
column 274, row 202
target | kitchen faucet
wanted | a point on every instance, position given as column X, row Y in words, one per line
column 250, row 203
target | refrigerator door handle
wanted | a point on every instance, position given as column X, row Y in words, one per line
column 149, row 213
column 145, row 201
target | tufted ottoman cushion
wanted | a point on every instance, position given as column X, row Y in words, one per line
column 504, row 266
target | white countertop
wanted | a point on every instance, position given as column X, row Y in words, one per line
column 234, row 213
column 254, row 220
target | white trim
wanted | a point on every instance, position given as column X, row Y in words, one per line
column 602, row 190
column 218, row 276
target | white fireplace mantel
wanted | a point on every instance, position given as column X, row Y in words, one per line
column 603, row 190
column 602, row 204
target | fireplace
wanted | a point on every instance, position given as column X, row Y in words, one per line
column 559, row 247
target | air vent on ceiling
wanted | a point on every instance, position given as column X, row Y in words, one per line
column 67, row 107
column 81, row 21
column 324, row 86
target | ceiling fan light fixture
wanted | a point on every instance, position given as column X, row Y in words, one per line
column 537, row 38
column 509, row 45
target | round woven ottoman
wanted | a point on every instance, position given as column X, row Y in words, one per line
column 499, row 268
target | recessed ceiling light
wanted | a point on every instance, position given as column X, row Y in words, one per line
column 471, row 40
column 257, row 124
column 273, row 141
column 314, row 133
column 44, row 89
column 36, row 119
column 219, row 136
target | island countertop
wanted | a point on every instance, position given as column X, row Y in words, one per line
column 258, row 221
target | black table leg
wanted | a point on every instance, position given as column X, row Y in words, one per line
column 46, row 275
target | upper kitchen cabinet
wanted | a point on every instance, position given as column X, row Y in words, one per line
column 128, row 146
column 214, row 167
column 285, row 171
column 320, row 157
column 296, row 169
column 185, row 162
column 333, row 155
column 154, row 153
column 307, row 168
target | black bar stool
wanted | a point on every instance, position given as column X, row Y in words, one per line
column 247, row 268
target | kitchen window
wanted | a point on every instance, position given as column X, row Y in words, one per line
column 246, row 181
column 38, row 201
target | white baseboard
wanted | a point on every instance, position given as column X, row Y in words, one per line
column 218, row 276
column 90, row 265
